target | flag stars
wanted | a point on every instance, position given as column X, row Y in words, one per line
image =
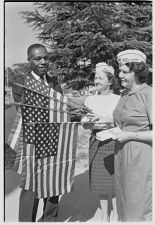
column 47, row 143
column 45, row 137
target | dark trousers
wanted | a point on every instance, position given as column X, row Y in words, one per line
column 28, row 206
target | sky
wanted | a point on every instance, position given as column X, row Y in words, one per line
column 18, row 35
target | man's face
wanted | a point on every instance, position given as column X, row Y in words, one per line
column 39, row 61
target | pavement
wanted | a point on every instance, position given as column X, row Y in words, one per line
column 76, row 206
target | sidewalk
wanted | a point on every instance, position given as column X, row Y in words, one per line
column 78, row 205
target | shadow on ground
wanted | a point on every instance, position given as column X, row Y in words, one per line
column 80, row 204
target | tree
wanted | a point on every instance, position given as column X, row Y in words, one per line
column 78, row 32
column 16, row 74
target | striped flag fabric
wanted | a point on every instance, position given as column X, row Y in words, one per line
column 14, row 136
column 61, row 106
column 51, row 175
column 45, row 141
column 15, row 141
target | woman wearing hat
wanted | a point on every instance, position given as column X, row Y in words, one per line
column 133, row 150
column 101, row 154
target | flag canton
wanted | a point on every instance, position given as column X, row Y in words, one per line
column 29, row 134
column 35, row 99
column 35, row 85
column 46, row 140
column 32, row 114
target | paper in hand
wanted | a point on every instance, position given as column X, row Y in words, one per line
column 107, row 134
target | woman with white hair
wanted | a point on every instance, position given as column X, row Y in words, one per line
column 101, row 154
column 133, row 151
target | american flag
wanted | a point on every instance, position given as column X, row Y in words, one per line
column 15, row 141
column 52, row 173
column 48, row 99
column 46, row 165
column 14, row 136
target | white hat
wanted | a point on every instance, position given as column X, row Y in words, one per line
column 130, row 55
column 104, row 67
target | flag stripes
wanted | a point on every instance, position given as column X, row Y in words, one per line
column 15, row 141
column 60, row 107
column 72, row 155
column 53, row 174
column 52, row 106
column 19, row 154
column 28, row 164
column 14, row 135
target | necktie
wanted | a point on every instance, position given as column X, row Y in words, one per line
column 42, row 80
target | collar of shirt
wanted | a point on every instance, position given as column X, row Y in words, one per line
column 138, row 89
column 37, row 77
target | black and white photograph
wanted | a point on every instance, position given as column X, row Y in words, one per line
column 77, row 111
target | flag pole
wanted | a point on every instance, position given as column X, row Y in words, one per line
column 22, row 86
column 40, row 107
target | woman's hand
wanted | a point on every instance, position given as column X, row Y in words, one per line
column 92, row 117
column 87, row 122
column 94, row 121
column 99, row 118
column 122, row 136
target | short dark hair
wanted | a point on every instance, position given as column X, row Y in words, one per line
column 33, row 47
column 141, row 70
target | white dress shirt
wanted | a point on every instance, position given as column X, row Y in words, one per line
column 37, row 77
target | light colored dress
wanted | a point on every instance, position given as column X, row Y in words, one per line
column 133, row 159
column 101, row 154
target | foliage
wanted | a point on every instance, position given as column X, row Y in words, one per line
column 78, row 32
column 16, row 74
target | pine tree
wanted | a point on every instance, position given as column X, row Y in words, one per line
column 81, row 34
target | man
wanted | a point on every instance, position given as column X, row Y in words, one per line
column 28, row 204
